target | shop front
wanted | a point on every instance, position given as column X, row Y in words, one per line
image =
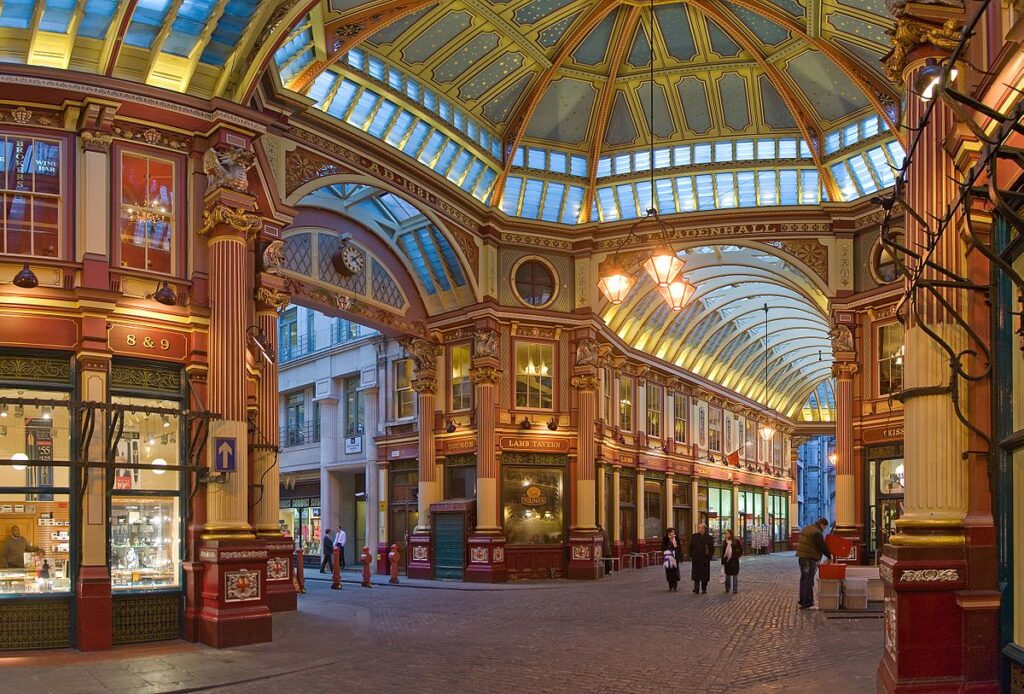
column 654, row 508
column 750, row 514
column 403, row 509
column 884, row 494
column 534, row 513
column 682, row 509
column 627, row 510
column 718, row 516
column 299, row 517
column 778, row 520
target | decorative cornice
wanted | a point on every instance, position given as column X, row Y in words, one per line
column 95, row 141
column 911, row 32
column 154, row 137
column 485, row 374
column 272, row 297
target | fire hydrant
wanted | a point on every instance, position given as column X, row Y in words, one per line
column 336, row 575
column 393, row 557
column 365, row 559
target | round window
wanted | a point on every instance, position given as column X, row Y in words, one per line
column 534, row 283
column 884, row 267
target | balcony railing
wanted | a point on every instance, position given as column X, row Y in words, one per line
column 304, row 344
column 300, row 435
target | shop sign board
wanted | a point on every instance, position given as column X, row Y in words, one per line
column 224, row 449
column 463, row 444
column 535, row 444
column 354, row 444
column 890, row 432
column 146, row 342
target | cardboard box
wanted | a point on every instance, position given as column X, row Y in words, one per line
column 856, row 586
column 827, row 586
column 829, row 602
column 856, row 602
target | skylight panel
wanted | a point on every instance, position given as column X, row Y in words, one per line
column 444, row 109
column 744, row 150
column 604, row 167
column 322, row 86
column 767, row 188
column 357, row 59
column 459, row 167
column 681, row 155
column 382, row 119
column 519, row 156
column 896, row 152
column 702, row 153
column 552, row 202
column 666, row 201
column 705, row 192
column 399, row 208
column 483, row 186
column 510, row 196
column 364, row 106
column 662, row 158
column 396, row 79
column 788, row 187
column 377, row 69
column 809, row 187
column 622, row 164
column 723, row 151
column 573, row 205
column 726, row 190
column 746, row 189
column 851, row 134
column 416, row 140
column 862, row 174
column 847, row 188
column 766, row 149
column 642, row 161
column 447, row 157
column 787, row 148
column 627, row 204
column 833, row 141
column 343, row 99
column 531, row 198
column 431, row 149
column 578, row 166
column 412, row 89
column 869, row 127
column 880, row 164
column 459, row 120
column 606, row 200
column 684, row 191
column 535, row 158
column 643, row 194
column 559, row 162
column 430, row 99
column 805, row 151
column 401, row 126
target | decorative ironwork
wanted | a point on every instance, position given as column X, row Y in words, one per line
column 35, row 369
column 145, row 378
column 548, row 459
column 404, row 466
column 35, row 623
column 139, row 618
column 460, row 460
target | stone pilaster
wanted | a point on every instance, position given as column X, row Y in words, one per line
column 424, row 354
column 846, row 485
column 584, row 541
column 669, row 510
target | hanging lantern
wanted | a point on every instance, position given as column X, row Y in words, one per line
column 614, row 282
column 767, row 431
column 677, row 294
column 663, row 266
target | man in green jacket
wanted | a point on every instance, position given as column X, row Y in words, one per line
column 809, row 552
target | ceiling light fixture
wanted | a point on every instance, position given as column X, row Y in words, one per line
column 158, row 463
column 930, row 78
column 26, row 279
column 165, row 295
column 767, row 429
column 19, row 456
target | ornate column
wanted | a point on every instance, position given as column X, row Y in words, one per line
column 938, row 563
column 234, row 596
column 424, row 355
column 843, row 369
column 584, row 541
column 602, row 501
column 641, row 535
column 375, row 494
column 694, row 504
column 486, row 545
column 616, row 535
column 265, row 447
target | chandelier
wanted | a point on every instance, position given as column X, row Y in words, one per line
column 152, row 211
column 663, row 266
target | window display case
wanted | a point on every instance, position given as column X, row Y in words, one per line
column 144, row 543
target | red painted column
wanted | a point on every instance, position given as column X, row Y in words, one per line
column 846, row 485
column 424, row 354
column 584, row 541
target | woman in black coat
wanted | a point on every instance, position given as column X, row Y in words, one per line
column 672, row 551
column 732, row 550
column 702, row 549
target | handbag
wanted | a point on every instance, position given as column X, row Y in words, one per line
column 721, row 575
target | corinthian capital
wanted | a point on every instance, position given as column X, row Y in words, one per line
column 584, row 382
column 425, row 386
column 239, row 220
column 485, row 374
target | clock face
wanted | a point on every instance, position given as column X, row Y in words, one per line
column 348, row 261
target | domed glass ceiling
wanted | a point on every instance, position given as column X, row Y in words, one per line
column 540, row 107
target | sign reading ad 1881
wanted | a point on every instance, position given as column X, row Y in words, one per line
column 535, row 444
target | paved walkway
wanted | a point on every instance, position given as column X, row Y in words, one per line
column 622, row 634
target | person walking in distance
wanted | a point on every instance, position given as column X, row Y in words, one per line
column 339, row 542
column 672, row 551
column 327, row 545
column 809, row 552
column 732, row 550
column 702, row 549
column 606, row 550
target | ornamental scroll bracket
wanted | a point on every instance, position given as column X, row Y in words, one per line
column 239, row 220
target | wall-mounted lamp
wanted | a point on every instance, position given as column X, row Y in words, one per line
column 833, row 458
column 47, row 412
column 19, row 456
column 166, row 421
column 19, row 411
column 165, row 295
column 525, row 424
column 929, row 77
column 553, row 424
column 26, row 279
column 451, row 426
column 3, row 411
column 160, row 462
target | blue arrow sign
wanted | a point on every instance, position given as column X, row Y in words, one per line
column 224, row 454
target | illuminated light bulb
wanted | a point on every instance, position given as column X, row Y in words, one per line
column 19, row 456
column 160, row 462
column 663, row 266
column 767, row 432
column 677, row 293
column 614, row 282
column 47, row 412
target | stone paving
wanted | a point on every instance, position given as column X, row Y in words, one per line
column 622, row 634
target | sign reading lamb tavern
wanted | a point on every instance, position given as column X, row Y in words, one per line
column 535, row 444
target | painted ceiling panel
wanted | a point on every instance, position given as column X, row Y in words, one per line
column 764, row 29
column 539, row 9
column 640, row 53
column 662, row 120
column 876, row 7
column 721, row 43
column 793, row 7
column 472, row 51
column 855, row 26
column 694, row 97
column 774, row 111
column 487, row 78
column 549, row 36
column 498, row 108
column 397, row 29
column 829, row 92
column 675, row 30
column 436, row 37
column 621, row 128
column 871, row 58
column 594, row 48
column 732, row 89
column 564, row 112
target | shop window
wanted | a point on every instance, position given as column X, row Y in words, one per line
column 680, row 404
column 462, row 387
column 145, row 516
column 626, row 403
column 890, row 476
column 654, row 512
column 534, row 379
column 890, row 359
column 654, row 405
column 147, row 208
column 534, row 282
column 715, row 429
column 354, row 416
column 35, row 523
column 30, row 195
column 777, row 451
column 461, row 482
column 404, row 394
column 295, row 419
column 719, row 512
column 607, row 384
column 533, row 502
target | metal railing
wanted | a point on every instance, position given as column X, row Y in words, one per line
column 300, row 435
column 339, row 333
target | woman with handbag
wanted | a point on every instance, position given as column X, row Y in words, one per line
column 672, row 551
column 732, row 550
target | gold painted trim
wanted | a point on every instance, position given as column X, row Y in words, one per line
column 931, row 523
column 228, row 536
column 901, row 540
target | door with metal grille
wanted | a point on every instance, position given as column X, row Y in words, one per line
column 449, row 545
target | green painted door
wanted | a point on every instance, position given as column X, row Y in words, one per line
column 449, row 545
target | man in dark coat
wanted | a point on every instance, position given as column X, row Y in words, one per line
column 809, row 552
column 702, row 549
column 327, row 549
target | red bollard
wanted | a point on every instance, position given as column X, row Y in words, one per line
column 394, row 556
column 366, row 560
column 300, row 573
column 336, row 576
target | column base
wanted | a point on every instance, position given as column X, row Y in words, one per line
column 420, row 556
column 95, row 630
column 193, row 599
column 234, row 609
column 486, row 559
column 381, row 560
column 585, row 556
column 281, row 594
column 855, row 534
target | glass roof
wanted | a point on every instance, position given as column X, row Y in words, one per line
column 721, row 334
column 541, row 107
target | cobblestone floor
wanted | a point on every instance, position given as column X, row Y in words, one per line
column 622, row 634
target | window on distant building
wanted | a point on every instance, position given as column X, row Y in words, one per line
column 890, row 359
column 404, row 394
column 353, row 407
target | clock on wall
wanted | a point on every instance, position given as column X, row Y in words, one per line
column 348, row 260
